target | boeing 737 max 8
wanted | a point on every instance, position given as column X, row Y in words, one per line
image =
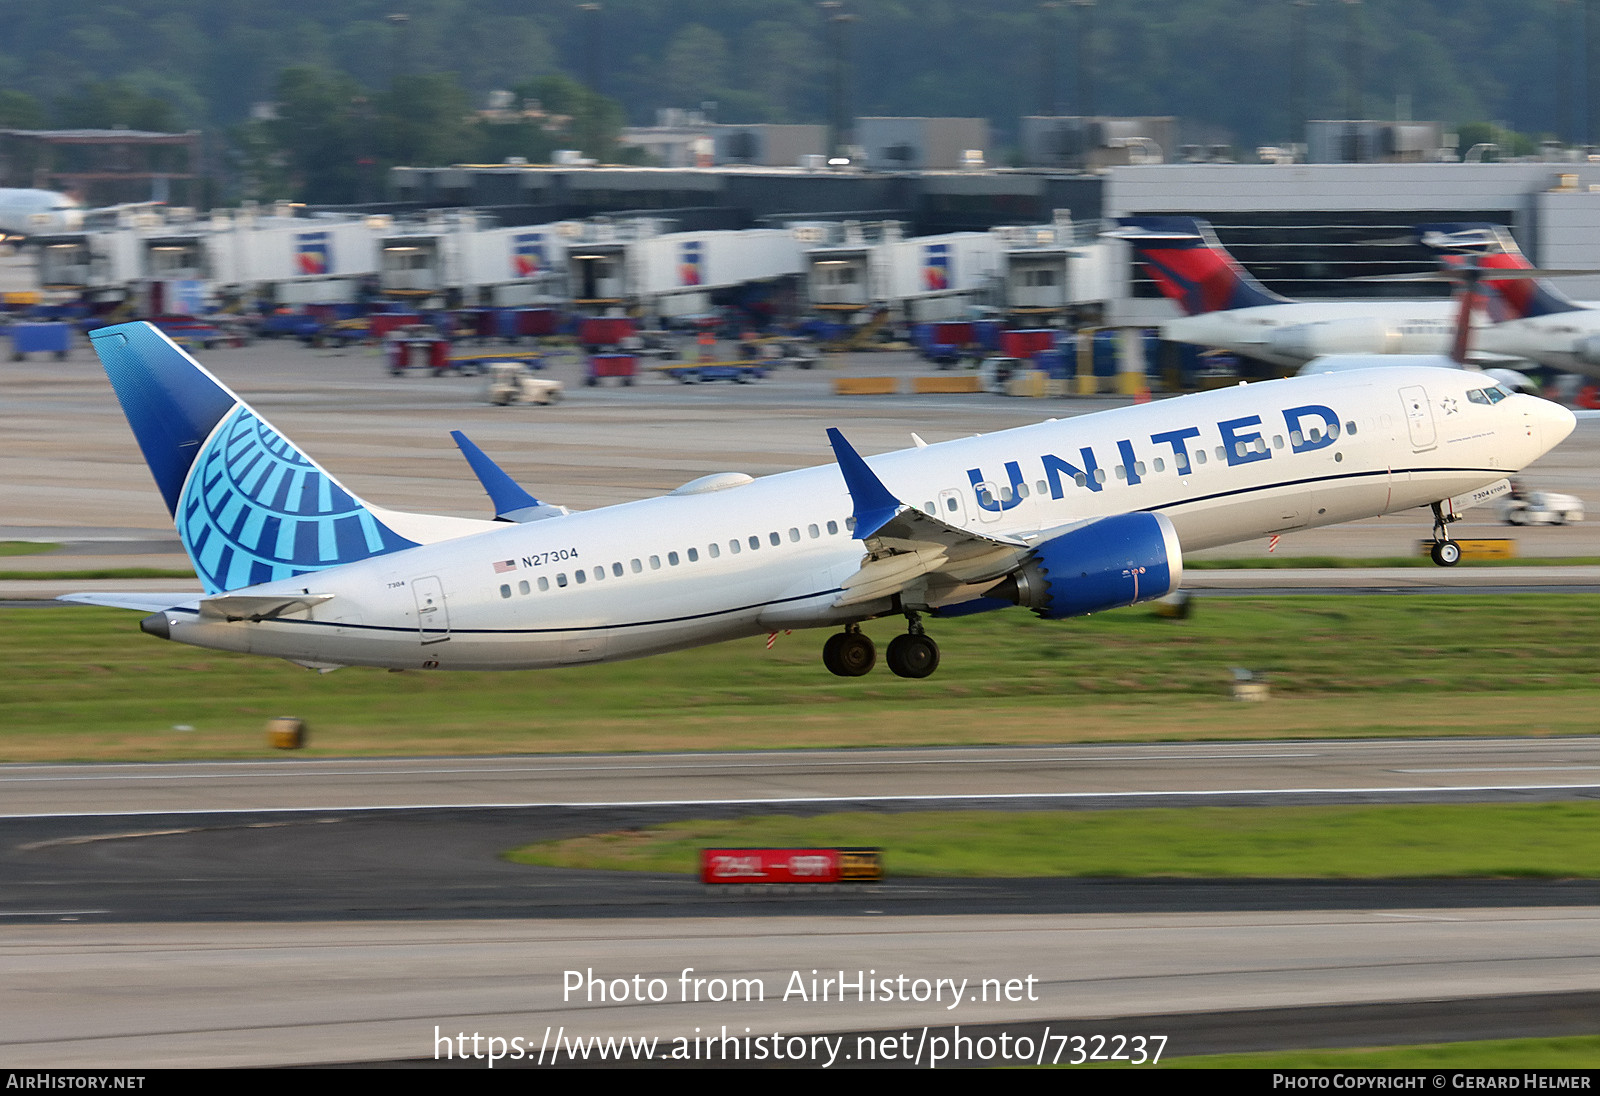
column 1067, row 517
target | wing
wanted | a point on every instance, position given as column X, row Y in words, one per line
column 912, row 553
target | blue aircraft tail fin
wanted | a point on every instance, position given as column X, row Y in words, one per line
column 249, row 506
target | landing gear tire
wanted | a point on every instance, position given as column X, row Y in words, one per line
column 1446, row 553
column 849, row 654
column 912, row 656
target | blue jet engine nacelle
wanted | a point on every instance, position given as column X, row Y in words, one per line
column 1119, row 560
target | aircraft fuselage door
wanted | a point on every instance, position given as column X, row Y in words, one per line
column 433, row 615
column 1419, row 417
column 951, row 508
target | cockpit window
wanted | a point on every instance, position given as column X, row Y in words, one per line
column 1497, row 392
column 1478, row 395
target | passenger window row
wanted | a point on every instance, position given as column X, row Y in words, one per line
column 583, row 577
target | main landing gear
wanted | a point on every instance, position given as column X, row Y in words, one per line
column 1445, row 552
column 851, row 654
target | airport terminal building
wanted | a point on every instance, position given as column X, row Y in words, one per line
column 1305, row 229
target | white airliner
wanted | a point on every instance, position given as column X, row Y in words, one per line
column 1226, row 308
column 1068, row 517
column 37, row 212
column 1533, row 319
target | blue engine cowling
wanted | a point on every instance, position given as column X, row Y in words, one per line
column 1115, row 561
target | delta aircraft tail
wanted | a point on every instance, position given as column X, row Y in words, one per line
column 1191, row 266
column 1495, row 249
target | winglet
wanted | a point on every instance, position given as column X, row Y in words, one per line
column 504, row 492
column 875, row 507
column 511, row 502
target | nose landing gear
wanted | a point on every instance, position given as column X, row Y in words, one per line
column 1445, row 552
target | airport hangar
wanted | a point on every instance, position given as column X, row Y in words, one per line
column 1302, row 229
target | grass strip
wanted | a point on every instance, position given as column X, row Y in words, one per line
column 1538, row 840
column 1562, row 1052
column 25, row 548
column 83, row 683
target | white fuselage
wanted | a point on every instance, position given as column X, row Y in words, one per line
column 1292, row 334
column 1568, row 341
column 678, row 571
column 37, row 212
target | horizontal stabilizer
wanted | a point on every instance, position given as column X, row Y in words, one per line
column 257, row 607
column 145, row 603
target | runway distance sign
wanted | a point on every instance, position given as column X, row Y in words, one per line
column 854, row 865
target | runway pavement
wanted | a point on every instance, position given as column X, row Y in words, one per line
column 262, row 920
column 1175, row 774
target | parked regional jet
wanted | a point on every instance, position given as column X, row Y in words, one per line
column 1067, row 518
column 1225, row 307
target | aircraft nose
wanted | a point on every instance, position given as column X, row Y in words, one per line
column 1555, row 423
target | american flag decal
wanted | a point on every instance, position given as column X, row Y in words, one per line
column 505, row 565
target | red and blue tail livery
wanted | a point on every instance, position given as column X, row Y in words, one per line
column 1191, row 267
